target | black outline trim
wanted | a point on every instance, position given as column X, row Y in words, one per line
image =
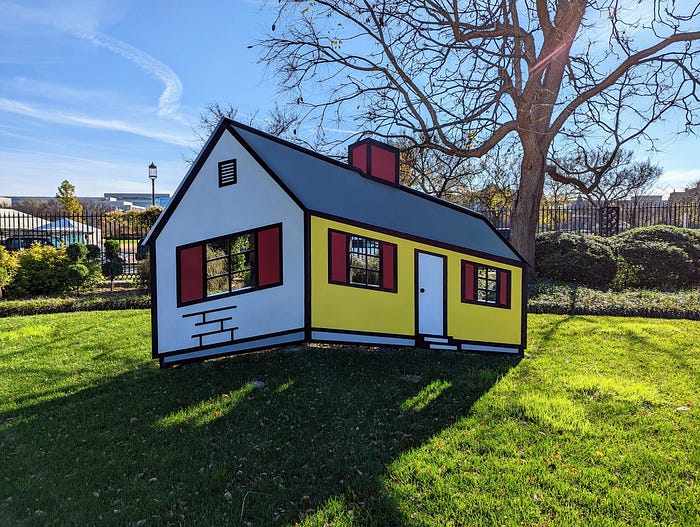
column 235, row 292
column 154, row 302
column 364, row 333
column 307, row 276
column 237, row 341
column 229, row 353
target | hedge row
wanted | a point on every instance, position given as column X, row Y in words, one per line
column 649, row 257
column 545, row 297
column 568, row 299
column 45, row 305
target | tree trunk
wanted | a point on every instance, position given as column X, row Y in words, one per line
column 526, row 211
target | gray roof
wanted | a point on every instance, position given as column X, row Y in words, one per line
column 328, row 187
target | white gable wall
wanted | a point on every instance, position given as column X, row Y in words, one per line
column 207, row 211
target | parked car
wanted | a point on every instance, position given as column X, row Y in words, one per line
column 25, row 241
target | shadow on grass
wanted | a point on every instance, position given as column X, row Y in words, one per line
column 200, row 446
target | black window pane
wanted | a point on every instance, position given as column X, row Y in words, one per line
column 373, row 278
column 217, row 249
column 358, row 276
column 218, row 285
column 241, row 280
column 373, row 263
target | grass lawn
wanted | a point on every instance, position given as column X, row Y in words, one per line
column 597, row 425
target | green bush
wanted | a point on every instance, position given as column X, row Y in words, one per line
column 77, row 274
column 144, row 271
column 652, row 265
column 80, row 254
column 41, row 270
column 687, row 240
column 76, row 252
column 573, row 257
column 93, row 252
column 8, row 266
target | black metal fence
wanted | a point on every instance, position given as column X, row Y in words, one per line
column 607, row 221
column 19, row 231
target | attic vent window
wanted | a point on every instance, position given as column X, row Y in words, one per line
column 228, row 173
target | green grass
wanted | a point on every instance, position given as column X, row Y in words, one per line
column 597, row 425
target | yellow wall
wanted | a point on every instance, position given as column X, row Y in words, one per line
column 358, row 309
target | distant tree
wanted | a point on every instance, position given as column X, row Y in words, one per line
column 66, row 196
column 604, row 177
column 40, row 208
column 95, row 207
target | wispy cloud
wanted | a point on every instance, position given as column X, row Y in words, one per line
column 170, row 98
column 80, row 20
column 59, row 117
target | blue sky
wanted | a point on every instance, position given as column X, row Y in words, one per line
column 93, row 91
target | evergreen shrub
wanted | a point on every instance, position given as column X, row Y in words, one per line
column 573, row 257
column 663, row 266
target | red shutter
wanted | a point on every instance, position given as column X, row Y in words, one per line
column 191, row 274
column 468, row 286
column 269, row 256
column 503, row 287
column 387, row 255
column 338, row 249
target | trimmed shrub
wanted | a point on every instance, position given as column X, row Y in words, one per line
column 688, row 240
column 652, row 265
column 41, row 270
column 76, row 252
column 77, row 274
column 93, row 252
column 573, row 257
column 113, row 265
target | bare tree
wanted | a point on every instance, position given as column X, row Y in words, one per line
column 95, row 207
column 40, row 208
column 280, row 122
column 437, row 173
column 460, row 76
column 604, row 176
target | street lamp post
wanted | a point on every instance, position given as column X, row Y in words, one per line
column 153, row 174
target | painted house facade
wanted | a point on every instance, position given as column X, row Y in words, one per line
column 266, row 243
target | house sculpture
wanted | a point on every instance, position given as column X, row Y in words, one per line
column 266, row 243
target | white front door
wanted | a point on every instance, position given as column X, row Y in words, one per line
column 431, row 294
